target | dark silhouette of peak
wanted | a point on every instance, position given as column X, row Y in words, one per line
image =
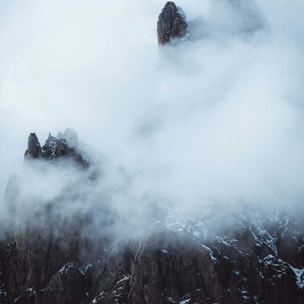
column 33, row 148
column 55, row 148
column 243, row 19
column 171, row 24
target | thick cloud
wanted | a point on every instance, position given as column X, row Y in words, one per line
column 219, row 118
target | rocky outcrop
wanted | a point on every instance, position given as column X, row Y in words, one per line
column 172, row 24
column 33, row 148
column 256, row 257
column 55, row 148
column 241, row 19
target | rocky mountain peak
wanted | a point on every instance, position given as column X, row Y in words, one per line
column 171, row 24
column 55, row 148
column 33, row 148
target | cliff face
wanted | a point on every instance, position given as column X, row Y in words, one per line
column 256, row 257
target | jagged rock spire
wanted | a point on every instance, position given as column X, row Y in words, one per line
column 55, row 148
column 33, row 147
column 171, row 24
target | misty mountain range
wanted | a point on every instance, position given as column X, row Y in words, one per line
column 188, row 185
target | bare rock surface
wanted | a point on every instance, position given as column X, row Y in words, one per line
column 54, row 148
column 172, row 24
column 34, row 148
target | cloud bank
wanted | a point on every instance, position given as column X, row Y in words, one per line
column 218, row 118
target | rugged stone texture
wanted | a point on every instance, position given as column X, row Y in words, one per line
column 170, row 267
column 171, row 24
column 34, row 148
column 55, row 148
column 240, row 19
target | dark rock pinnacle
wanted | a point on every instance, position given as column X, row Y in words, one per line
column 54, row 148
column 171, row 24
column 33, row 148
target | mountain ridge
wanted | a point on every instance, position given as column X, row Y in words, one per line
column 256, row 257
